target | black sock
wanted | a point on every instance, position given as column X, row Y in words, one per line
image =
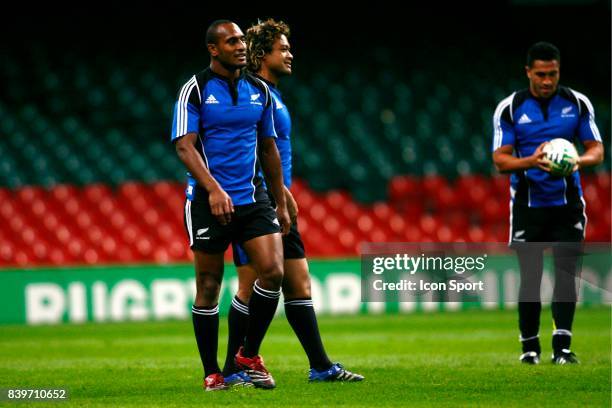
column 206, row 329
column 301, row 316
column 262, row 307
column 563, row 315
column 238, row 322
column 529, row 306
column 567, row 265
column 529, row 325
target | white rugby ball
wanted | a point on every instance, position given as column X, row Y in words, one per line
column 562, row 155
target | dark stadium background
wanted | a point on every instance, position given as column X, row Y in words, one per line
column 391, row 106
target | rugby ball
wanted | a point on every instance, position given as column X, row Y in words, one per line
column 562, row 156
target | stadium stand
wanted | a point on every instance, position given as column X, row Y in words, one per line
column 390, row 155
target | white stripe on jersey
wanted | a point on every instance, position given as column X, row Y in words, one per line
column 497, row 130
column 181, row 106
column 586, row 219
column 587, row 102
column 254, row 170
column 179, row 111
column 188, row 221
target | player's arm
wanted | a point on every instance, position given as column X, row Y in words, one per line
column 220, row 202
column 269, row 158
column 271, row 166
column 504, row 140
column 292, row 206
column 592, row 156
column 506, row 162
column 185, row 127
column 589, row 135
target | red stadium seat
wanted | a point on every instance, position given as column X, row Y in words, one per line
column 131, row 190
column 304, row 198
column 500, row 185
column 5, row 194
column 429, row 224
column 297, row 185
column 7, row 253
column 445, row 234
column 493, row 210
column 7, row 209
column 445, row 199
column 397, row 224
column 351, row 212
column 403, row 188
column 412, row 234
column 331, row 226
column 378, row 235
column 603, row 180
column 318, row 212
column 475, row 234
column 57, row 257
column 27, row 194
column 382, row 212
column 62, row 192
column 336, row 200
column 433, row 183
column 23, row 258
column 347, row 240
column 365, row 223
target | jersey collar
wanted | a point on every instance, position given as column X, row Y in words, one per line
column 226, row 79
column 270, row 84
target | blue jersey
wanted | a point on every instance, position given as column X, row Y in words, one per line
column 228, row 118
column 524, row 122
column 282, row 125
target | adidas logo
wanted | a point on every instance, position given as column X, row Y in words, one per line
column 578, row 226
column 524, row 119
column 276, row 222
column 211, row 99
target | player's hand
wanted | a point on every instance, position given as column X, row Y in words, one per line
column 221, row 205
column 283, row 218
column 576, row 165
column 539, row 158
column 292, row 206
column 569, row 166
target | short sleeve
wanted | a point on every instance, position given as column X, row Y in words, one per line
column 587, row 128
column 265, row 126
column 186, row 118
column 503, row 130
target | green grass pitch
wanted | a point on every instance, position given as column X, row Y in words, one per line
column 451, row 359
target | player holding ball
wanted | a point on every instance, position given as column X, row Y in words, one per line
column 547, row 208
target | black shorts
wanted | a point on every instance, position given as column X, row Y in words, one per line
column 248, row 221
column 293, row 247
column 547, row 224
